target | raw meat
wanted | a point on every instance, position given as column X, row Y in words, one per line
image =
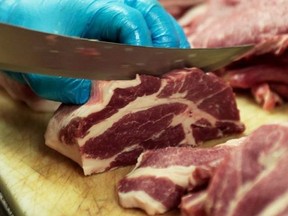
column 249, row 181
column 266, row 75
column 23, row 93
column 264, row 95
column 161, row 176
column 221, row 23
column 178, row 8
column 244, row 25
column 123, row 118
column 193, row 204
column 260, row 175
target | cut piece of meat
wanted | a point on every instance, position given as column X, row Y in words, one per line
column 264, row 95
column 22, row 92
column 123, row 118
column 161, row 176
column 266, row 27
column 269, row 20
column 247, row 176
column 261, row 69
column 179, row 7
column 251, row 180
column 262, row 74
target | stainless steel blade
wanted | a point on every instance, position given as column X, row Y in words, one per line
column 31, row 51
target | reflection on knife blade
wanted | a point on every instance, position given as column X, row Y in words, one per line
column 31, row 51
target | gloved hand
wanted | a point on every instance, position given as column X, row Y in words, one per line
column 135, row 22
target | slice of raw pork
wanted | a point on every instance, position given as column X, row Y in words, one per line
column 251, row 180
column 161, row 177
column 123, row 118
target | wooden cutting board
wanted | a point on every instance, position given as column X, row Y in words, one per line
column 36, row 180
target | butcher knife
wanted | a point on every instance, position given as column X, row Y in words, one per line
column 25, row 50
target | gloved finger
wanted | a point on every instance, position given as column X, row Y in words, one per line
column 116, row 22
column 183, row 42
column 15, row 75
column 159, row 22
column 66, row 90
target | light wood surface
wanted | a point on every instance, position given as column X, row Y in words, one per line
column 36, row 180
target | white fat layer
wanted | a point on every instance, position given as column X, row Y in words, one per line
column 133, row 107
column 107, row 88
column 179, row 175
column 91, row 165
column 269, row 160
column 96, row 165
column 234, row 142
column 277, row 206
column 140, row 199
column 200, row 198
column 192, row 14
column 275, row 153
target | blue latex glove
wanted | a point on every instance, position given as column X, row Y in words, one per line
column 135, row 22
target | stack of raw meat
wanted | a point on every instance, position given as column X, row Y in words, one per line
column 221, row 23
column 248, row 176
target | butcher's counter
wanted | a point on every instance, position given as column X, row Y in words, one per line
column 36, row 180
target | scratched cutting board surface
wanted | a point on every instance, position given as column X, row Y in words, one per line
column 36, row 180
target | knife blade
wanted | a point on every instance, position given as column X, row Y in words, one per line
column 29, row 51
